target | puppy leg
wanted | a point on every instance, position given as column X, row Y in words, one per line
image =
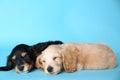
column 8, row 66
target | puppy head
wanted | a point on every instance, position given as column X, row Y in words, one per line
column 21, row 59
column 50, row 60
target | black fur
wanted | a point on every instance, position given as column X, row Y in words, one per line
column 31, row 51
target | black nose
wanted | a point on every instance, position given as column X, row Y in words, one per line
column 50, row 69
column 21, row 68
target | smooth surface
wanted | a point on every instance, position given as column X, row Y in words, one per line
column 33, row 21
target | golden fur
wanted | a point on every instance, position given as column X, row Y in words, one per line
column 76, row 56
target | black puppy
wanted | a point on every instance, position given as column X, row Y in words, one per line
column 23, row 57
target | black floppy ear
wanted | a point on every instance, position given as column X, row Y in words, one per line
column 8, row 66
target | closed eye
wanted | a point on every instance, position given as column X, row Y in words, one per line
column 54, row 58
column 57, row 57
column 13, row 61
column 26, row 57
column 43, row 61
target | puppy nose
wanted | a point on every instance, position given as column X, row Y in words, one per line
column 21, row 68
column 50, row 69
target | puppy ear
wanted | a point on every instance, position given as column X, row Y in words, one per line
column 69, row 59
column 38, row 63
column 9, row 62
column 8, row 66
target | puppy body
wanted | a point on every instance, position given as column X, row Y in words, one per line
column 90, row 56
column 76, row 56
column 23, row 56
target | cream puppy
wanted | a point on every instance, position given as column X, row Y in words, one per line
column 75, row 56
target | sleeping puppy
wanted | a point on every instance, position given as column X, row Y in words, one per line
column 22, row 57
column 75, row 56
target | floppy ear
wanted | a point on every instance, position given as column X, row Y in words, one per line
column 8, row 66
column 38, row 63
column 69, row 59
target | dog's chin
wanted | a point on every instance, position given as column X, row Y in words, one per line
column 26, row 70
column 22, row 72
column 53, row 73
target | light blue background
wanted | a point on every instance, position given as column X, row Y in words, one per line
column 33, row 21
